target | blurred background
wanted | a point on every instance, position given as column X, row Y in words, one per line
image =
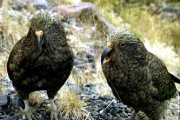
column 87, row 24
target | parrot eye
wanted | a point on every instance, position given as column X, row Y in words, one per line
column 123, row 44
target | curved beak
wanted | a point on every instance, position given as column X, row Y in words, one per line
column 39, row 34
column 106, row 54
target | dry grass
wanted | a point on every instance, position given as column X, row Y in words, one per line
column 106, row 9
column 141, row 22
column 2, row 87
column 55, row 2
column 70, row 105
column 160, row 36
column 36, row 97
column 13, row 24
column 3, row 62
column 151, row 26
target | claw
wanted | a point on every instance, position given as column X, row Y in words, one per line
column 27, row 112
column 53, row 110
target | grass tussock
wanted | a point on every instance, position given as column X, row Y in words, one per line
column 151, row 26
column 36, row 97
column 70, row 105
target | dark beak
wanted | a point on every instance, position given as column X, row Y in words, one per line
column 106, row 55
column 39, row 39
column 39, row 43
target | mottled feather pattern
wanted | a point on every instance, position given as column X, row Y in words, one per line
column 45, row 18
column 137, row 77
column 161, row 78
column 31, row 70
column 42, row 60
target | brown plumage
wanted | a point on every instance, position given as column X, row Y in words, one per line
column 137, row 77
column 42, row 60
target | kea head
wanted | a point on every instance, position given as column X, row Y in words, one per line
column 123, row 48
column 45, row 29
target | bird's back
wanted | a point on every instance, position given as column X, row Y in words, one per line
column 161, row 78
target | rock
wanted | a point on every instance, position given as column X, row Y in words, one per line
column 16, row 101
column 10, row 118
column 169, row 16
column 89, row 85
column 113, row 111
column 2, row 116
column 20, row 4
column 41, row 4
column 1, row 110
column 165, row 12
column 75, row 10
column 11, row 90
column 3, row 100
column 95, row 113
column 169, row 9
column 90, row 58
column 104, row 107
column 87, row 13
